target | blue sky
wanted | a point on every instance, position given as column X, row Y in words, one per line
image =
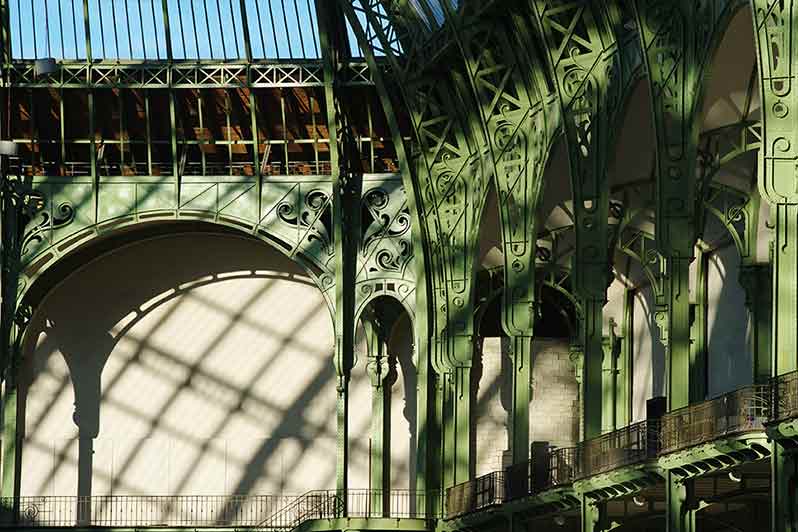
column 136, row 29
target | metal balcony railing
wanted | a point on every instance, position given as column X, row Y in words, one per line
column 626, row 446
column 477, row 494
column 563, row 468
column 743, row 410
column 267, row 512
column 785, row 396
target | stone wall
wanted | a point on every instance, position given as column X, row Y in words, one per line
column 553, row 414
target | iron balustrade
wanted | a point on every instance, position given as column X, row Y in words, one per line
column 563, row 467
column 785, row 396
column 135, row 510
column 267, row 512
column 744, row 410
column 559, row 468
column 626, row 446
column 478, row 494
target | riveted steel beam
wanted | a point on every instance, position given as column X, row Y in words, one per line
column 678, row 40
column 346, row 182
column 519, row 119
column 775, row 28
column 18, row 203
column 583, row 58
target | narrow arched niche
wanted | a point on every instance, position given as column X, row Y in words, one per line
column 384, row 321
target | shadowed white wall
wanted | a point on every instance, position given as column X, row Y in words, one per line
column 648, row 379
column 195, row 364
column 553, row 411
column 728, row 324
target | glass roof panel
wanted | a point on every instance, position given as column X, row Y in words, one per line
column 137, row 29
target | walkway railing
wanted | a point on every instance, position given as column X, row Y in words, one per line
column 477, row 494
column 629, row 445
column 785, row 396
column 267, row 512
column 743, row 410
column 747, row 409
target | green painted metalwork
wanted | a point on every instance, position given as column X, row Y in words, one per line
column 777, row 59
column 757, row 281
column 19, row 203
column 449, row 169
column 678, row 39
column 483, row 111
column 519, row 119
column 580, row 39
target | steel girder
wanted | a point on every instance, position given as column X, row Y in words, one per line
column 584, row 62
column 449, row 174
column 775, row 29
column 678, row 39
column 519, row 121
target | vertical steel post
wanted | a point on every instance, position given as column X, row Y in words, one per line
column 775, row 28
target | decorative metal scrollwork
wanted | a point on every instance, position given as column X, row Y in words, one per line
column 311, row 218
column 44, row 222
column 386, row 244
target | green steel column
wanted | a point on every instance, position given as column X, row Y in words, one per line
column 377, row 369
column 785, row 288
column 610, row 384
column 576, row 354
column 456, row 452
column 678, row 39
column 10, row 437
column 584, row 60
column 522, row 363
column 756, row 279
column 449, row 439
column 461, row 403
column 775, row 28
column 784, row 502
column 17, row 202
column 345, row 205
column 681, row 505
column 673, row 320
column 518, row 118
column 593, row 515
column 592, row 363
column 430, row 455
column 625, row 368
column 699, row 326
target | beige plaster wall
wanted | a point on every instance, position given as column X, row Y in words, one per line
column 190, row 364
column 648, row 378
column 553, row 413
column 728, row 324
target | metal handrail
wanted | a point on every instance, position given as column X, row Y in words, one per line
column 478, row 494
column 784, row 396
column 743, row 410
column 626, row 446
column 264, row 512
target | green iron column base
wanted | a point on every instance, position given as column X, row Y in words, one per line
column 784, row 499
column 10, row 486
column 593, row 515
column 681, row 506
column 522, row 362
column 592, row 367
column 342, row 459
